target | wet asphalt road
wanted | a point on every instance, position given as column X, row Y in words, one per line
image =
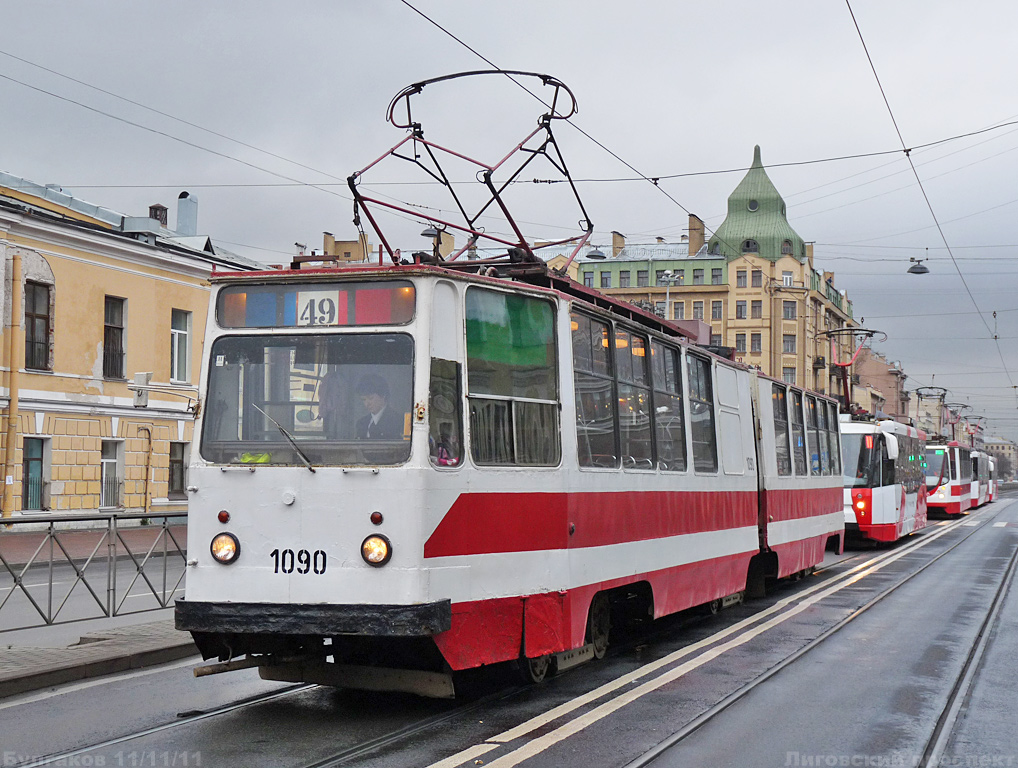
column 872, row 690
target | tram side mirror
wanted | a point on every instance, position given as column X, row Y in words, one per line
column 892, row 447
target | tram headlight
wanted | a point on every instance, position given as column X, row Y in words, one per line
column 376, row 550
column 225, row 548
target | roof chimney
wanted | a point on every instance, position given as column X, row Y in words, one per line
column 157, row 212
column 187, row 215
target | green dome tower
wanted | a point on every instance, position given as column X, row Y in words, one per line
column 756, row 221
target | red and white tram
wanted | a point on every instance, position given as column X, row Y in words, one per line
column 403, row 472
column 885, row 488
column 980, row 493
column 948, row 478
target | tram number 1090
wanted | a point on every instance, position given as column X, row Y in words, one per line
column 302, row 561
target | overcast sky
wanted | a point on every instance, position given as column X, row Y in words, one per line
column 670, row 87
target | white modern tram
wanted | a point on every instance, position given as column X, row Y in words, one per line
column 407, row 471
column 948, row 477
column 884, row 470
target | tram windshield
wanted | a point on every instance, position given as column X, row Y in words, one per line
column 860, row 460
column 935, row 458
column 337, row 399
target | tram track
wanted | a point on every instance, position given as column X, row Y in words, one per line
column 940, row 737
column 68, row 757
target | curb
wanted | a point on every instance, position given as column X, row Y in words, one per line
column 75, row 671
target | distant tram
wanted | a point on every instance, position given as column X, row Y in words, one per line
column 948, row 477
column 403, row 472
column 884, row 472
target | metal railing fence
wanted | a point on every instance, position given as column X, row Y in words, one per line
column 32, row 561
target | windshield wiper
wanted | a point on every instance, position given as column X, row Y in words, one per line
column 290, row 438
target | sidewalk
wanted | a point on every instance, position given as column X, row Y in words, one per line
column 98, row 653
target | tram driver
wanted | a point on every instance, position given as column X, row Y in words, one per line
column 382, row 422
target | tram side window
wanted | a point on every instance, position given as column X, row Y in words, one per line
column 824, row 435
column 888, row 475
column 701, row 415
column 965, row 465
column 833, row 434
column 595, row 399
column 634, row 400
column 512, row 379
column 798, row 434
column 669, row 426
column 812, row 439
column 445, row 425
column 780, row 407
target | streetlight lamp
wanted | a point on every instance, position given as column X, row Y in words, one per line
column 918, row 268
column 436, row 239
column 669, row 278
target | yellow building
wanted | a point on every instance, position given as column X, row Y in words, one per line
column 779, row 311
column 91, row 299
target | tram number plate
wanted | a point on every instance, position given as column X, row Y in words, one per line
column 301, row 561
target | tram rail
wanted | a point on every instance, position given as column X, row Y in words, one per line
column 942, row 732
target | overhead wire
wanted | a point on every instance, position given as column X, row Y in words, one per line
column 922, row 189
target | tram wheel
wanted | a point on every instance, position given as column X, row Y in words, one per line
column 599, row 624
column 714, row 607
column 535, row 670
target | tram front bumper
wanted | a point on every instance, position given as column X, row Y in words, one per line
column 422, row 619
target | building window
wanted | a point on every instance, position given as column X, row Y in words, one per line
column 758, row 278
column 33, row 482
column 715, row 277
column 715, row 339
column 660, row 309
column 109, row 493
column 740, row 343
column 740, row 279
column 588, row 279
column 624, row 278
column 698, row 310
column 697, row 277
column 755, row 343
column 786, row 248
column 786, row 279
column 659, row 277
column 180, row 345
column 113, row 339
column 756, row 309
column 788, row 375
column 178, row 471
column 788, row 343
column 678, row 310
column 750, row 246
column 715, row 310
column 679, row 277
column 740, row 310
column 606, row 279
column 642, row 278
column 788, row 310
column 37, row 326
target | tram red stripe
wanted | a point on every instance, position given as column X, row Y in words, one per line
column 481, row 523
column 794, row 504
